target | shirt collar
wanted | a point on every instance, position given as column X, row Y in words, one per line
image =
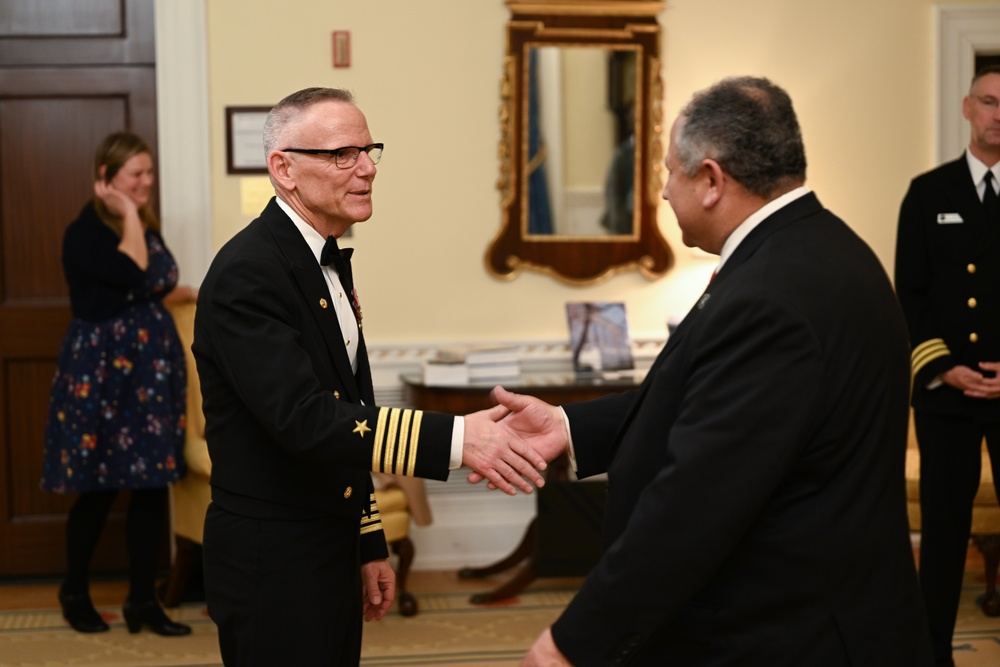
column 755, row 219
column 978, row 169
column 313, row 238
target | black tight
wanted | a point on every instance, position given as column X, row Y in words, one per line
column 143, row 530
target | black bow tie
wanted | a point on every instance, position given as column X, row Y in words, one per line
column 341, row 260
column 333, row 254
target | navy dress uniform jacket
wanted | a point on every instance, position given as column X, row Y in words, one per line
column 291, row 430
column 948, row 282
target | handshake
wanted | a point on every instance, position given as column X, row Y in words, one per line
column 511, row 443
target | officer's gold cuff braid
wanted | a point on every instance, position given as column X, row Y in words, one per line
column 371, row 522
column 397, row 437
column 927, row 352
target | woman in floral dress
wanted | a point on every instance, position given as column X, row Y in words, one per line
column 116, row 412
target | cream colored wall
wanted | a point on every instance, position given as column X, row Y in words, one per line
column 427, row 73
column 586, row 115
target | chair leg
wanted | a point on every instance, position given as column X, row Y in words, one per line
column 989, row 546
column 178, row 572
column 403, row 548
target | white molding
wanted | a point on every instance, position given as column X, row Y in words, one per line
column 962, row 32
column 183, row 127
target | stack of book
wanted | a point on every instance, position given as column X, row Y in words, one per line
column 465, row 365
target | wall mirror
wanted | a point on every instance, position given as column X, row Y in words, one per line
column 581, row 141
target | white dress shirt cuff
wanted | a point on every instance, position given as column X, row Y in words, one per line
column 457, row 440
column 569, row 440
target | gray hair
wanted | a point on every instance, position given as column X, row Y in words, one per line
column 748, row 126
column 980, row 73
column 287, row 110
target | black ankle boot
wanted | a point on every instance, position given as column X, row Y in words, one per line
column 79, row 612
column 150, row 613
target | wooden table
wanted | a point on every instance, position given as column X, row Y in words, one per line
column 556, row 388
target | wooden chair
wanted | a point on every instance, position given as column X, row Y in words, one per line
column 399, row 499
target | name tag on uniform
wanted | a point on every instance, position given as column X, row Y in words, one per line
column 949, row 219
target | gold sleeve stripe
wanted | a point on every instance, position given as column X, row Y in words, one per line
column 371, row 529
column 411, row 461
column 383, row 414
column 927, row 352
column 371, row 522
column 392, row 438
column 404, row 441
column 396, row 439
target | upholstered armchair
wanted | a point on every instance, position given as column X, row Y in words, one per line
column 399, row 499
column 190, row 496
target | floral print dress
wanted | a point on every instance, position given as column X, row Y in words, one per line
column 117, row 407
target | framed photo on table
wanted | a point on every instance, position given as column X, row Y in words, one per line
column 598, row 333
column 245, row 140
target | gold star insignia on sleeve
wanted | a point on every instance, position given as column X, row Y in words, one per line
column 362, row 428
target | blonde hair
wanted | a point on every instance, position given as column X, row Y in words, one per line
column 112, row 154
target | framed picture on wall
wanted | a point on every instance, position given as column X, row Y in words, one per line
column 245, row 140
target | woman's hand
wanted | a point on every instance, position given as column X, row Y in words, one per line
column 117, row 201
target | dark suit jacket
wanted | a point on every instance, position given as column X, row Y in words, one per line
column 291, row 431
column 948, row 281
column 756, row 510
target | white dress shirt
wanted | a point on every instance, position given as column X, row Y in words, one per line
column 979, row 170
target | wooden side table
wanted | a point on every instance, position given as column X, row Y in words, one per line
column 554, row 388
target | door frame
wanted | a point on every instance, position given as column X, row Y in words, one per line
column 184, row 137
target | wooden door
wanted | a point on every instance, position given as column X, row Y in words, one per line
column 70, row 73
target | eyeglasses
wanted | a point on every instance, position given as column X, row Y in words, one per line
column 345, row 157
column 988, row 101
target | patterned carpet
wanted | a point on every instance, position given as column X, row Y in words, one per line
column 448, row 631
column 977, row 636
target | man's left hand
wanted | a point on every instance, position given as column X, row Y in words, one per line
column 988, row 387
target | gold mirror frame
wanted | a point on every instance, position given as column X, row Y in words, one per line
column 579, row 260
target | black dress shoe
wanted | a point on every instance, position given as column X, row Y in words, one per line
column 150, row 613
column 79, row 612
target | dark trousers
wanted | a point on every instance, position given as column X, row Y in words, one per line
column 950, row 469
column 284, row 592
